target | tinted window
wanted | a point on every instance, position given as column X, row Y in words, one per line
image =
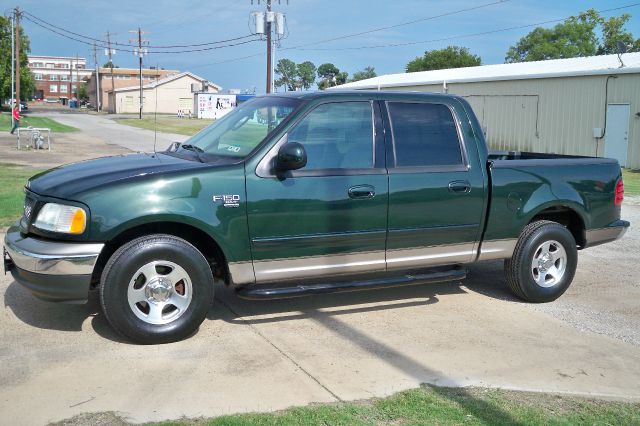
column 424, row 135
column 337, row 136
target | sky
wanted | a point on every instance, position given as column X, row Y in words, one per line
column 309, row 22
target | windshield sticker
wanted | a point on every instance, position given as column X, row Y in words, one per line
column 232, row 201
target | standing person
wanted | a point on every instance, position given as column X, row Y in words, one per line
column 16, row 118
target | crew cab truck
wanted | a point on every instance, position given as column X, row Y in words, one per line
column 305, row 193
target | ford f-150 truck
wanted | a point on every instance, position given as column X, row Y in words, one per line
column 308, row 193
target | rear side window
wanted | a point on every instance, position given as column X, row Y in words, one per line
column 424, row 134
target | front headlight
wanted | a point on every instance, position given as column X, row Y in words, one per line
column 60, row 218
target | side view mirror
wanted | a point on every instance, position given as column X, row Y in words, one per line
column 291, row 156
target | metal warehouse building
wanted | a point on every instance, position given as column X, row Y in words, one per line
column 582, row 106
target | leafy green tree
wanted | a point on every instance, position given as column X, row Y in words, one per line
column 27, row 85
column 449, row 57
column 368, row 72
column 306, row 74
column 575, row 37
column 82, row 92
column 613, row 31
column 288, row 72
column 330, row 76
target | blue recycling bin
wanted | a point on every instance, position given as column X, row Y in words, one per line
column 73, row 104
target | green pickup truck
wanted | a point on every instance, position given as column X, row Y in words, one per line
column 308, row 193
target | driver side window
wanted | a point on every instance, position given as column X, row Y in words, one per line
column 337, row 136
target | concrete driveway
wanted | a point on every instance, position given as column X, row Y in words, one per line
column 57, row 361
column 113, row 133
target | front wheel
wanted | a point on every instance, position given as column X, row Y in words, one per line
column 544, row 262
column 156, row 289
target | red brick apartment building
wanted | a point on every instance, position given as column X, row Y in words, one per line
column 58, row 77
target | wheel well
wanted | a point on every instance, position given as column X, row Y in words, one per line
column 566, row 217
column 200, row 240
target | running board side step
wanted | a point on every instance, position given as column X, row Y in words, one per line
column 265, row 291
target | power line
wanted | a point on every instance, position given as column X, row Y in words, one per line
column 104, row 44
column 298, row 47
column 401, row 24
column 42, row 23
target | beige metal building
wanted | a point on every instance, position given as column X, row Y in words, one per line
column 582, row 106
column 165, row 96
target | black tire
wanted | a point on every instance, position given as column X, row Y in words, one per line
column 519, row 270
column 127, row 262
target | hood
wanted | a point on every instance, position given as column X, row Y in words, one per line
column 69, row 180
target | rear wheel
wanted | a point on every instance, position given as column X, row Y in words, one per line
column 543, row 263
column 156, row 289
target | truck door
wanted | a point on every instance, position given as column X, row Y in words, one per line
column 330, row 217
column 436, row 186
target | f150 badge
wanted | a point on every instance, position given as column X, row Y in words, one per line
column 227, row 200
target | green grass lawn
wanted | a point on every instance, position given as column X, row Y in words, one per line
column 428, row 406
column 5, row 123
column 631, row 180
column 12, row 181
column 168, row 124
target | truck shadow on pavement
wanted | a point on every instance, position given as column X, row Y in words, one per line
column 485, row 278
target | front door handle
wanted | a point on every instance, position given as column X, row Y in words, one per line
column 362, row 191
column 460, row 186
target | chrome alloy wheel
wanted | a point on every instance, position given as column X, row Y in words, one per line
column 549, row 264
column 160, row 292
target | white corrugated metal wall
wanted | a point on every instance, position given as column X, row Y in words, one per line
column 555, row 115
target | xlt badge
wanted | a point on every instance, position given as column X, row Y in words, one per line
column 227, row 200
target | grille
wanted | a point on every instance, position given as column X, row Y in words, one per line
column 29, row 203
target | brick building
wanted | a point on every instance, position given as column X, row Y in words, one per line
column 122, row 77
column 58, row 77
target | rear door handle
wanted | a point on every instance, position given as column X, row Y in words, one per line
column 460, row 186
column 362, row 191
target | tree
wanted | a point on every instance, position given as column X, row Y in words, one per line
column 574, row 37
column 368, row 72
column 450, row 57
column 613, row 32
column 110, row 64
column 82, row 92
column 288, row 72
column 306, row 74
column 330, row 76
column 27, row 85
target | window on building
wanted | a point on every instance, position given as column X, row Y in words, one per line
column 49, row 65
column 37, row 77
column 424, row 134
column 53, row 88
column 74, row 78
column 53, row 77
column 37, row 65
column 64, row 77
column 337, row 136
column 74, row 88
column 63, row 88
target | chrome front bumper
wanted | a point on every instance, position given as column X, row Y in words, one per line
column 57, row 271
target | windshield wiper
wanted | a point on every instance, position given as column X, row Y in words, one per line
column 195, row 149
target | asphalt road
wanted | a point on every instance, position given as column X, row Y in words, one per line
column 57, row 361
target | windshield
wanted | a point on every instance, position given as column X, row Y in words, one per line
column 240, row 131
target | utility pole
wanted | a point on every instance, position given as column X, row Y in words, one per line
column 18, row 57
column 265, row 23
column 95, row 61
column 70, row 80
column 269, row 46
column 13, row 71
column 140, row 52
column 77, row 80
column 109, row 52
